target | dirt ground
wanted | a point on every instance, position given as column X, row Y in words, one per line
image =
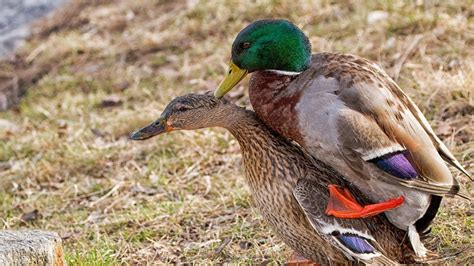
column 97, row 70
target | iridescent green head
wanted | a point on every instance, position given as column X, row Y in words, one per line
column 270, row 44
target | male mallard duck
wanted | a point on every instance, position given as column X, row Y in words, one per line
column 346, row 111
column 289, row 187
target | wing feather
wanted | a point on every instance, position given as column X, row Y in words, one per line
column 379, row 119
column 442, row 149
column 351, row 236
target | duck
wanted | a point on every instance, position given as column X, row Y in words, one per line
column 289, row 187
column 346, row 111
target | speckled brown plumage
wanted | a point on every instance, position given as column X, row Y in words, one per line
column 274, row 101
column 273, row 166
column 277, row 170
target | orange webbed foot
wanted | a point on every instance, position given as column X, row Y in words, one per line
column 343, row 205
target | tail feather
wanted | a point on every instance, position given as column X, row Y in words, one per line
column 435, row 258
column 452, row 161
column 416, row 243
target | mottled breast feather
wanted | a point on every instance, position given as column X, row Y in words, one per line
column 273, row 103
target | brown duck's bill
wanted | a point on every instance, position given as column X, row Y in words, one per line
column 153, row 129
column 233, row 77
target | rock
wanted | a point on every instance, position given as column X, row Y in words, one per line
column 31, row 247
column 8, row 125
column 98, row 132
column 390, row 43
column 121, row 86
column 376, row 16
column 15, row 15
column 5, row 165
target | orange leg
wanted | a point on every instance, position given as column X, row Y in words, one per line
column 343, row 205
column 298, row 260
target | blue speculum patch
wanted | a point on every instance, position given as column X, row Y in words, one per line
column 396, row 164
column 355, row 243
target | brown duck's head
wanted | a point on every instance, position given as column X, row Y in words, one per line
column 191, row 111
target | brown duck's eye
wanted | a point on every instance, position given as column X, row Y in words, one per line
column 181, row 108
column 245, row 45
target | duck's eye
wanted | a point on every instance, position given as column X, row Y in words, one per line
column 181, row 108
column 245, row 45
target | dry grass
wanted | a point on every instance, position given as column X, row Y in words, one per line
column 182, row 197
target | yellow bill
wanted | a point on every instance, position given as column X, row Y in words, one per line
column 233, row 77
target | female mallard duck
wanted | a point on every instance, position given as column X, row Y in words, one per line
column 346, row 111
column 290, row 188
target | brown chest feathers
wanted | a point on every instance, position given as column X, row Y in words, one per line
column 273, row 103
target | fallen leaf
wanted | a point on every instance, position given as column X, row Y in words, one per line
column 97, row 132
column 29, row 216
column 222, row 245
column 145, row 190
column 245, row 244
column 444, row 130
column 111, row 101
column 121, row 86
column 4, row 165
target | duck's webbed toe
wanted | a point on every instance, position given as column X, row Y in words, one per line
column 352, row 236
column 343, row 205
